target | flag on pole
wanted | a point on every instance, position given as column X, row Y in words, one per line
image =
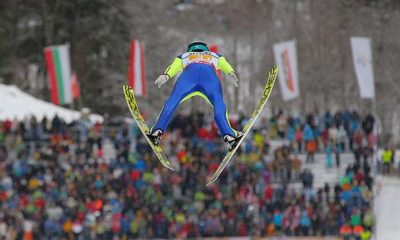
column 362, row 59
column 59, row 73
column 136, row 69
column 215, row 48
column 286, row 59
column 76, row 93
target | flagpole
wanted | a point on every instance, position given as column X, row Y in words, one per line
column 375, row 114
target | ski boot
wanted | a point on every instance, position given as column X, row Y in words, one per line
column 155, row 136
column 231, row 142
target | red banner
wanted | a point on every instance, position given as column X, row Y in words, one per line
column 136, row 69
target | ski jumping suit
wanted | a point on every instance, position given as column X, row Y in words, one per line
column 198, row 78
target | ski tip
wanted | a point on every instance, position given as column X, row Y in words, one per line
column 274, row 69
column 126, row 87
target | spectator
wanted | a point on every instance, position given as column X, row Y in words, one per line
column 305, row 223
column 387, row 158
column 338, row 151
column 299, row 139
column 307, row 178
column 329, row 154
column 346, row 231
column 368, row 124
column 311, row 148
column 341, row 138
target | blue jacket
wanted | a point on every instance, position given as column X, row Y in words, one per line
column 278, row 219
column 305, row 221
column 308, row 133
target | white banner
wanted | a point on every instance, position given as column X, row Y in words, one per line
column 362, row 58
column 286, row 59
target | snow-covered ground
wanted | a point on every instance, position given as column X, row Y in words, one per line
column 387, row 208
column 16, row 104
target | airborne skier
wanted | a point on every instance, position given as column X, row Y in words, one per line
column 198, row 66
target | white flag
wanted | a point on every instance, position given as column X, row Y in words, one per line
column 362, row 58
column 286, row 59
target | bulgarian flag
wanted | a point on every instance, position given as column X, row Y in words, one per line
column 136, row 69
column 59, row 73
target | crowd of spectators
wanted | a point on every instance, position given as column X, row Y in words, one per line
column 101, row 181
column 329, row 133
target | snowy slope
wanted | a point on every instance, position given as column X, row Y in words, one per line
column 387, row 208
column 16, row 104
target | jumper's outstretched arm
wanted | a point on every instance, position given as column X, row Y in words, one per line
column 226, row 67
column 175, row 67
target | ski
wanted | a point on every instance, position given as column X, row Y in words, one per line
column 137, row 116
column 272, row 74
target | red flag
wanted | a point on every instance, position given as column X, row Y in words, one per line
column 136, row 69
column 76, row 93
column 214, row 48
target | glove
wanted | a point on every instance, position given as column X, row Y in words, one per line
column 161, row 80
column 233, row 79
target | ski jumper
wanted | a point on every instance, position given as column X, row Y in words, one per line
column 198, row 78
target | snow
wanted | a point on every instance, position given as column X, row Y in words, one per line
column 387, row 208
column 16, row 104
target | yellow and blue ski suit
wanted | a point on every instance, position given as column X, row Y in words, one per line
column 198, row 78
